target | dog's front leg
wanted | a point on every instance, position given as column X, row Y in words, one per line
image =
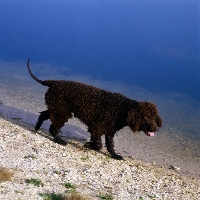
column 110, row 147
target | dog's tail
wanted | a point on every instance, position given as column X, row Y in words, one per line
column 45, row 83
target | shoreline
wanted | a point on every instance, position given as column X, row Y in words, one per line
column 168, row 151
column 27, row 156
column 144, row 149
column 174, row 149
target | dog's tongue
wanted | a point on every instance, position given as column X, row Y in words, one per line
column 151, row 134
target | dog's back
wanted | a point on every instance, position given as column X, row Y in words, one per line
column 88, row 103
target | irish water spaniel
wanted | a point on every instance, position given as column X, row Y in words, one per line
column 103, row 112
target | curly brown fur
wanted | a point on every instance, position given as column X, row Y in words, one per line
column 103, row 112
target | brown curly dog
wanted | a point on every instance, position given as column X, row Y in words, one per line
column 103, row 112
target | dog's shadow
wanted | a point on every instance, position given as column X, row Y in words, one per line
column 70, row 132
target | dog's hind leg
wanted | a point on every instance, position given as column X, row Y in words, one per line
column 58, row 122
column 44, row 115
column 110, row 146
column 95, row 141
column 96, row 144
column 54, row 132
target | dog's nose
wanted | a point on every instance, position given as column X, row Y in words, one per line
column 157, row 129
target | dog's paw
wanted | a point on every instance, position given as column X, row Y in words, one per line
column 92, row 146
column 117, row 157
column 88, row 145
column 59, row 140
column 37, row 127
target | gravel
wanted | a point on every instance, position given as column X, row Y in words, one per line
column 28, row 156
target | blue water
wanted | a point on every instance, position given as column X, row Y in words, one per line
column 153, row 44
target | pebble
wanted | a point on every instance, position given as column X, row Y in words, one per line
column 30, row 155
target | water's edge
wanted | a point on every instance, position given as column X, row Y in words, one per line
column 177, row 142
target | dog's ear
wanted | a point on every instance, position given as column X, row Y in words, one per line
column 133, row 120
column 158, row 121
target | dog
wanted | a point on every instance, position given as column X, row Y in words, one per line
column 102, row 111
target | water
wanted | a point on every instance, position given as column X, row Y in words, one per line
column 152, row 44
column 145, row 50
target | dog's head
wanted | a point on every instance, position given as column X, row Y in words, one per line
column 144, row 118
